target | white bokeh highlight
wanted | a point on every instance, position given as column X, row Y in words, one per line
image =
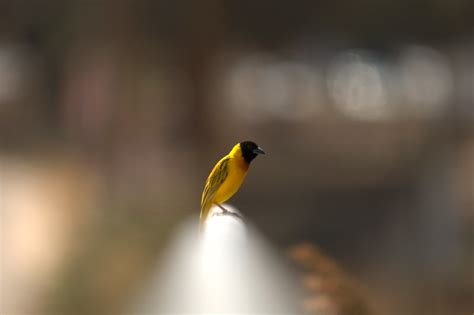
column 356, row 87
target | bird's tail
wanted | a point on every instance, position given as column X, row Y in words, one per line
column 203, row 216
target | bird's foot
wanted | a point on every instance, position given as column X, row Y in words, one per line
column 227, row 212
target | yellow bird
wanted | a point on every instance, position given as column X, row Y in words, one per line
column 227, row 176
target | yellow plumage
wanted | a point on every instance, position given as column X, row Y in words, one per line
column 227, row 176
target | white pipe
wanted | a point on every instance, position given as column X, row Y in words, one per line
column 228, row 268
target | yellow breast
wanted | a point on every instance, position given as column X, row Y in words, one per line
column 237, row 170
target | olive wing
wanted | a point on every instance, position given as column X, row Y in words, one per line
column 214, row 181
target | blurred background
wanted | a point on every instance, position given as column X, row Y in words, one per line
column 112, row 114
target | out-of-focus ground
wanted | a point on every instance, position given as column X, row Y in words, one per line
column 112, row 113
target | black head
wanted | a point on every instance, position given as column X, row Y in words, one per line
column 250, row 150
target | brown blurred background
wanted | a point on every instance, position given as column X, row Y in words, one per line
column 112, row 113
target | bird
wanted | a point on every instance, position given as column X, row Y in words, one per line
column 227, row 176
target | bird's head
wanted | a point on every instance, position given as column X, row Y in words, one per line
column 250, row 150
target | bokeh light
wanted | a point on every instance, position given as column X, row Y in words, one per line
column 426, row 81
column 265, row 87
column 356, row 87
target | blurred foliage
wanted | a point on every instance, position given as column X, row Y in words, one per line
column 331, row 291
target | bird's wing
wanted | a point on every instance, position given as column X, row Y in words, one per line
column 214, row 181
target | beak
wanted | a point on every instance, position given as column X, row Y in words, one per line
column 258, row 150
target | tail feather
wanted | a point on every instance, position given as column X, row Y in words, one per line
column 204, row 213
